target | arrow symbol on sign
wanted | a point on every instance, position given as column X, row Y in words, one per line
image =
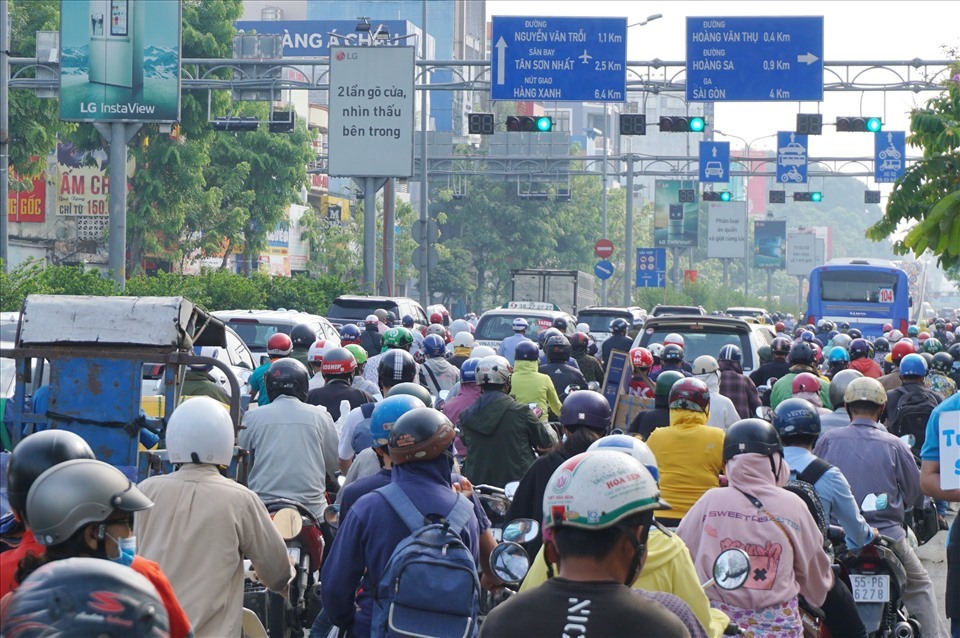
column 714, row 151
column 809, row 58
column 501, row 61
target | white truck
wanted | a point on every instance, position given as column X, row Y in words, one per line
column 571, row 290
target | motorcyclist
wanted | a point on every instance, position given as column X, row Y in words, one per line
column 839, row 417
column 408, row 322
column 370, row 338
column 279, row 346
column 677, row 339
column 315, row 361
column 807, row 386
column 197, row 381
column 618, row 340
column 640, row 383
column 338, row 369
column 393, row 339
column 838, row 359
column 861, row 359
column 224, row 521
column 563, row 376
column 293, row 444
column 302, row 336
column 349, row 333
column 390, row 320
column 773, row 525
column 939, row 380
column 801, row 359
column 913, row 370
column 589, row 366
column 359, row 382
column 723, row 414
column 672, row 359
column 437, row 374
column 659, row 417
column 776, row 368
column 463, row 343
column 734, row 385
column 528, row 385
column 899, row 350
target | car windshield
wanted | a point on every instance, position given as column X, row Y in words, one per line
column 706, row 340
column 359, row 309
column 256, row 333
column 855, row 285
column 499, row 327
column 600, row 321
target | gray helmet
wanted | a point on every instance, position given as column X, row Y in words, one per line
column 838, row 385
column 76, row 493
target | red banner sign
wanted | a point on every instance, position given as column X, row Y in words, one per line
column 27, row 206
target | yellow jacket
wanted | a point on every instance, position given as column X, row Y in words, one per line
column 528, row 385
column 668, row 568
column 690, row 460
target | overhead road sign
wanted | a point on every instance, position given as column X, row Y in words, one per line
column 889, row 153
column 792, row 152
column 754, row 59
column 714, row 162
column 651, row 267
column 552, row 59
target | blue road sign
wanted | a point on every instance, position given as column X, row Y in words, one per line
column 603, row 269
column 651, row 267
column 714, row 162
column 792, row 152
column 549, row 59
column 755, row 59
column 889, row 155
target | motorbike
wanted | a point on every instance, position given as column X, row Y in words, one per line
column 496, row 501
column 509, row 562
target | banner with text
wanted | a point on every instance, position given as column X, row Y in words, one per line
column 950, row 450
column 29, row 205
column 801, row 254
column 770, row 244
column 726, row 230
column 83, row 186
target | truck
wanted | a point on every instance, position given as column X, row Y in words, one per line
column 571, row 290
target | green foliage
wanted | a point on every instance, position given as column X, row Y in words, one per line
column 31, row 277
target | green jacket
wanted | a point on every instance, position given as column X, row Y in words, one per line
column 783, row 388
column 500, row 435
column 201, row 384
column 529, row 385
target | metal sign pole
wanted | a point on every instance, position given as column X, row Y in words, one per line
column 4, row 134
column 628, row 255
column 370, row 233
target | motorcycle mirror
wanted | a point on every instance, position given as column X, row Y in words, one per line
column 264, row 358
column 593, row 386
column 510, row 563
column 909, row 439
column 288, row 522
column 331, row 515
column 731, row 569
column 522, row 530
column 510, row 489
column 571, row 388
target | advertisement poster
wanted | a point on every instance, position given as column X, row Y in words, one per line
column 801, row 254
column 83, row 185
column 27, row 205
column 675, row 224
column 120, row 61
column 726, row 230
column 770, row 244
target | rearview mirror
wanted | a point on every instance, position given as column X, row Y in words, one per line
column 510, row 489
column 522, row 530
column 288, row 522
column 331, row 515
column 510, row 563
column 731, row 569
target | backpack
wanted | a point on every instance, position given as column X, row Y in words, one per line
column 913, row 412
column 802, row 486
column 429, row 586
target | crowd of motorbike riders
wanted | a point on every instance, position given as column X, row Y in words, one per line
column 399, row 426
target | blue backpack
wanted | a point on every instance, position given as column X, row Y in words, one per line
column 429, row 586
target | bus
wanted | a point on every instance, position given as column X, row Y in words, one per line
column 866, row 293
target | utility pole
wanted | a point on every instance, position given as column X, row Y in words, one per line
column 424, row 186
column 4, row 134
column 629, row 257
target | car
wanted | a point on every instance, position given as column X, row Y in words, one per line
column 891, row 165
column 439, row 307
column 664, row 309
column 792, row 154
column 599, row 318
column 713, row 169
column 745, row 312
column 497, row 324
column 356, row 308
column 254, row 327
column 707, row 335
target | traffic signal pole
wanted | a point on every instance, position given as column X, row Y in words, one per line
column 628, row 256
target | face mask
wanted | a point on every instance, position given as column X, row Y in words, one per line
column 128, row 550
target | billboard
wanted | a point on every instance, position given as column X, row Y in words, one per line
column 770, row 244
column 119, row 61
column 310, row 38
column 83, row 186
column 27, row 205
column 675, row 224
column 801, row 254
column 726, row 230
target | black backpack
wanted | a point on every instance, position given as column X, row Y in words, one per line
column 802, row 486
column 911, row 416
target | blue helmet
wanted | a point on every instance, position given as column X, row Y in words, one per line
column 468, row 370
column 913, row 365
column 730, row 352
column 838, row 354
column 349, row 332
column 807, row 336
column 796, row 417
column 407, row 321
column 434, row 346
column 386, row 414
column 527, row 351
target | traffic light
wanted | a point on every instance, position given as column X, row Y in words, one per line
column 809, row 123
column 859, row 124
column 480, row 123
column 687, row 195
column 526, row 123
column 682, row 124
column 808, row 196
column 633, row 124
column 283, row 121
column 717, row 196
column 235, row 124
column 871, row 197
column 777, row 197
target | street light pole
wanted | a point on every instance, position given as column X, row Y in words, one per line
column 603, row 209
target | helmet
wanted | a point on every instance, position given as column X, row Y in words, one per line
column 590, row 409
column 751, row 436
column 817, row 353
column 421, row 434
column 640, row 358
column 656, row 349
column 631, row 445
column 436, row 317
column 942, row 362
column 838, row 354
column 200, row 431
column 468, row 370
column 800, row 353
column 844, row 326
column 437, row 329
column 730, row 352
column 75, row 493
column 765, row 353
column 302, row 335
column 690, row 394
column 386, row 414
column 923, row 336
column 460, row 325
column 86, row 596
column 359, row 354
column 672, row 353
column 396, row 366
column 543, row 335
column 391, row 317
column 526, row 351
column 580, row 340
column 838, row 385
column 338, row 361
column 483, row 351
column 398, row 337
column 832, row 334
column 932, row 345
column 881, row 344
column 619, row 326
column 913, row 331
column 317, row 350
column 583, row 327
column 901, row 349
column 954, row 351
column 913, row 365
column 796, row 417
column 463, row 339
column 560, row 324
column 433, row 346
column 665, row 381
column 780, row 345
column 779, row 326
column 859, row 349
column 371, row 322
column 806, row 336
column 520, row 324
column 673, row 338
column 576, row 495
column 842, row 340
column 381, row 314
column 287, row 377
column 349, row 333
column 279, row 345
column 406, row 321
column 34, row 455
column 927, row 357
column 557, row 348
column 895, row 336
column 887, row 327
column 823, row 325
column 705, row 364
column 414, row 390
column 855, row 333
column 494, row 370
column 805, row 382
column 865, row 389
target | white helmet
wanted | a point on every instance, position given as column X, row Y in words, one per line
column 598, row 489
column 437, row 329
column 705, row 364
column 583, row 327
column 493, row 370
column 520, row 324
column 673, row 337
column 631, row 445
column 482, row 351
column 200, row 431
column 317, row 349
column 463, row 339
column 656, row 349
column 460, row 325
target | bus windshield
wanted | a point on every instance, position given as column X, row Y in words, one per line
column 856, row 285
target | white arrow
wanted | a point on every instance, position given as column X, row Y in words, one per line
column 714, row 151
column 808, row 57
column 501, row 60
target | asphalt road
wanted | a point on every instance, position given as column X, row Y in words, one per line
column 934, row 557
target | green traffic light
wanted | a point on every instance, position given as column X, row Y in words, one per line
column 544, row 124
column 697, row 124
column 725, row 196
column 816, row 196
column 874, row 124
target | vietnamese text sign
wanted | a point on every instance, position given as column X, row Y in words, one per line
column 83, row 186
column 769, row 244
column 950, row 450
column 651, row 267
column 726, row 230
column 791, row 158
column 674, row 224
column 120, row 61
column 547, row 58
column 889, row 156
column 310, row 38
column 371, row 111
column 27, row 205
column 754, row 59
column 801, row 254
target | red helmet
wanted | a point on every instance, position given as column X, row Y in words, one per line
column 779, row 326
column 901, row 349
column 436, row 317
column 279, row 345
column 805, row 382
column 641, row 358
column 338, row 361
column 817, row 353
column 887, row 327
column 580, row 340
column 690, row 394
column 948, row 327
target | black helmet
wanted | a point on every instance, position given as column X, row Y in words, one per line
column 414, row 390
column 586, row 408
column 780, row 345
column 420, row 435
column 730, row 352
column 665, row 381
column 881, row 344
column 796, row 417
column 954, row 351
column 855, row 333
column 85, row 596
column 396, row 366
column 560, row 324
column 287, row 377
column 672, row 353
column 751, row 436
column 526, row 351
column 557, row 349
column 302, row 336
column 34, row 455
column 942, row 362
column 391, row 318
column 619, row 326
column 543, row 335
column 801, row 352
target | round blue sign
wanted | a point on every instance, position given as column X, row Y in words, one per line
column 603, row 269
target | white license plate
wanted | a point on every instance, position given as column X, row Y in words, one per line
column 294, row 553
column 870, row 588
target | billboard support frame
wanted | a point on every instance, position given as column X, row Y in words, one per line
column 117, row 136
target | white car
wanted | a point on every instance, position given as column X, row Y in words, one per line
column 236, row 355
column 254, row 327
column 497, row 324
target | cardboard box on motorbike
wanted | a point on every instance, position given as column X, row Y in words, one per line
column 616, row 383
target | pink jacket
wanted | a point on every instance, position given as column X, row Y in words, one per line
column 779, row 568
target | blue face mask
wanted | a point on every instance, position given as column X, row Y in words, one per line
column 128, row 550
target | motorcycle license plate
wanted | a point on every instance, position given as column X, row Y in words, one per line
column 294, row 554
column 868, row 588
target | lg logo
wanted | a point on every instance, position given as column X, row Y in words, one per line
column 341, row 56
